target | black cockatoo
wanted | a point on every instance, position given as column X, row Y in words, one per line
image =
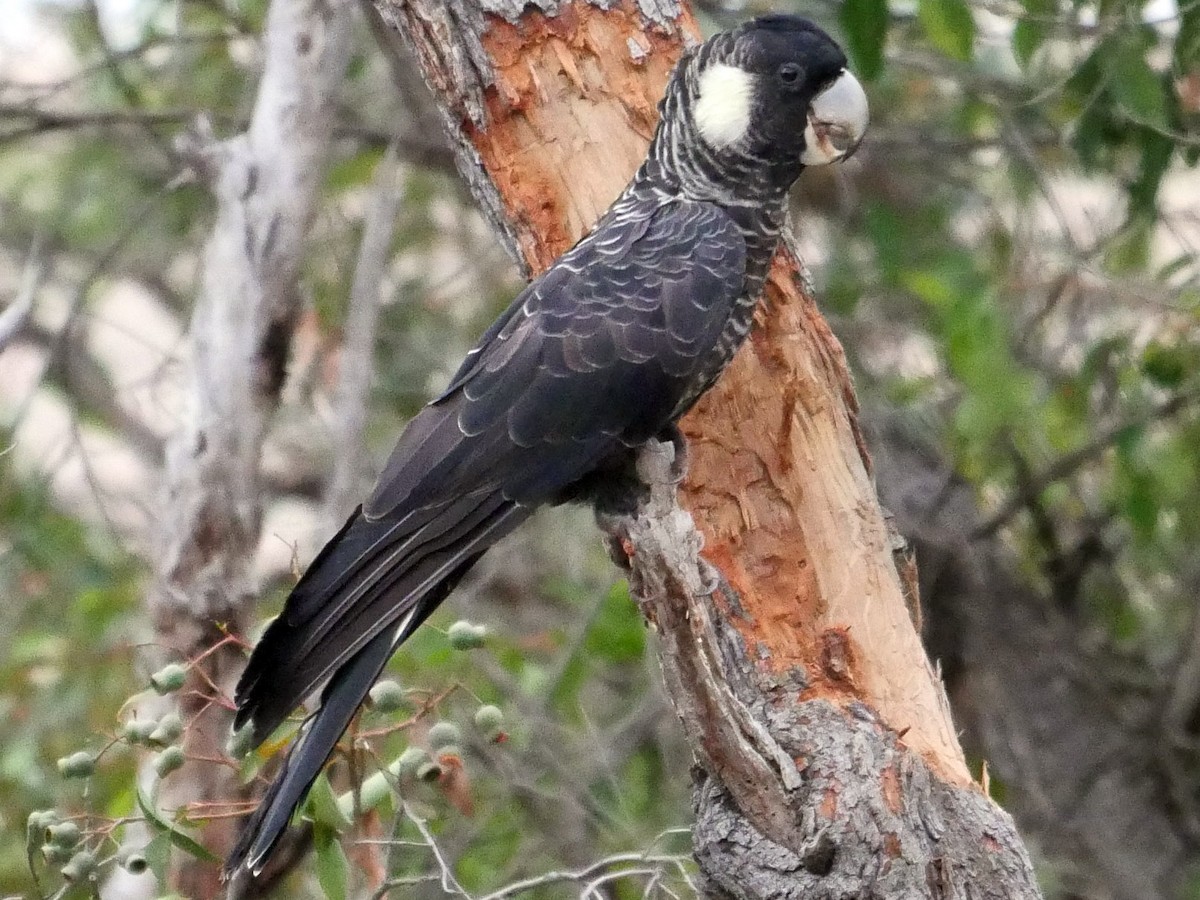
column 601, row 353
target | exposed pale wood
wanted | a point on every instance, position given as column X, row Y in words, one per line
column 780, row 485
column 525, row 98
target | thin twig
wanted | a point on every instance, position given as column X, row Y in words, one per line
column 449, row 883
column 356, row 367
column 587, row 874
column 17, row 314
column 592, row 888
column 1067, row 465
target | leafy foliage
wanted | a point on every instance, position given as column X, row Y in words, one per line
column 1057, row 344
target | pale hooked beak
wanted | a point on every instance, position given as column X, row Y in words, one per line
column 837, row 121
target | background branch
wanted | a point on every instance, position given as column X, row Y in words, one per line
column 356, row 360
column 265, row 182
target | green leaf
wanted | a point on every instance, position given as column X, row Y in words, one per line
column 617, row 633
column 949, row 26
column 889, row 234
column 1180, row 263
column 178, row 838
column 864, row 23
column 1032, row 30
column 158, row 856
column 1027, row 36
column 1187, row 41
column 333, row 869
column 1141, row 505
column 1157, row 152
column 354, row 171
column 1135, row 87
column 322, row 806
column 1129, row 250
column 1165, row 366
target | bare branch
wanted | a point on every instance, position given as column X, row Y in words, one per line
column 596, row 874
column 266, row 182
column 40, row 119
column 449, row 883
column 1068, row 464
column 356, row 360
column 17, row 313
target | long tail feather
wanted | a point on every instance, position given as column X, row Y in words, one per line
column 307, row 756
column 298, row 653
column 394, row 594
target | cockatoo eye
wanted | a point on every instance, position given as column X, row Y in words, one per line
column 789, row 73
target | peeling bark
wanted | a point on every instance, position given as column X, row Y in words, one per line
column 524, row 95
column 265, row 182
column 829, row 766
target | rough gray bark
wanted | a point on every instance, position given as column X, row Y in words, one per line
column 265, row 182
column 838, row 806
column 803, row 787
column 1083, row 768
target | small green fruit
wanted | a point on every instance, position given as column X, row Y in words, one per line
column 35, row 828
column 490, row 721
column 64, row 834
column 387, row 696
column 443, row 733
column 241, row 742
column 168, row 729
column 77, row 765
column 55, row 854
column 41, row 819
column 138, row 731
column 168, row 761
column 410, row 761
column 168, row 679
column 134, row 863
column 465, row 636
column 80, row 866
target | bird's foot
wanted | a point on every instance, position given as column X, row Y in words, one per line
column 679, row 463
column 617, row 543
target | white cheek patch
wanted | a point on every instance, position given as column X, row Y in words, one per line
column 724, row 105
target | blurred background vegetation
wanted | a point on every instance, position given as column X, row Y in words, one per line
column 1010, row 262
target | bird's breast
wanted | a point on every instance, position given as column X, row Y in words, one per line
column 760, row 245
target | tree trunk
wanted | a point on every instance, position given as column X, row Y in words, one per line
column 829, row 766
column 265, row 183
